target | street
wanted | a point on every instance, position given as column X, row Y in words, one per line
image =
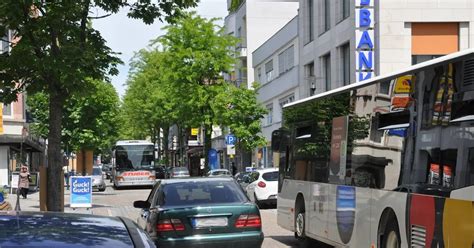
column 120, row 203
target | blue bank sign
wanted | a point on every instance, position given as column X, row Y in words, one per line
column 365, row 62
column 81, row 192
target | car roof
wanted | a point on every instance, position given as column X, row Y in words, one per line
column 196, row 179
column 62, row 230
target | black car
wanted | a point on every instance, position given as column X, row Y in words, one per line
column 200, row 212
column 51, row 229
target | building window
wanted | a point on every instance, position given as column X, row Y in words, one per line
column 309, row 74
column 384, row 88
column 327, row 15
column 346, row 64
column 286, row 60
column 269, row 114
column 310, row 20
column 5, row 43
column 375, row 133
column 326, row 62
column 286, row 100
column 269, row 70
column 7, row 110
column 345, row 8
column 259, row 74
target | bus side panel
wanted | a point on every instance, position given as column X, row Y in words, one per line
column 287, row 200
column 397, row 201
column 349, row 215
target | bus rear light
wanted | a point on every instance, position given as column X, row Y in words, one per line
column 250, row 220
column 119, row 178
column 261, row 184
column 152, row 178
column 167, row 225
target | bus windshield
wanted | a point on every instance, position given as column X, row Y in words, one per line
column 134, row 157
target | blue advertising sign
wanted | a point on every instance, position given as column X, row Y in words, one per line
column 230, row 139
column 81, row 192
column 213, row 163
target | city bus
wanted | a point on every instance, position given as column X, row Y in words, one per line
column 133, row 163
column 386, row 162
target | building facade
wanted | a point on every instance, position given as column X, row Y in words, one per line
column 343, row 41
column 17, row 145
column 276, row 68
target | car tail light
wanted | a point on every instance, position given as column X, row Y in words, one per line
column 169, row 225
column 250, row 220
column 261, row 184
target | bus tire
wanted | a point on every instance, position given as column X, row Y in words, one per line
column 391, row 235
column 300, row 221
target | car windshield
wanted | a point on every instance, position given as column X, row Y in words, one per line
column 134, row 157
column 96, row 171
column 270, row 176
column 201, row 193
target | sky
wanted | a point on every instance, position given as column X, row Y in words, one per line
column 127, row 36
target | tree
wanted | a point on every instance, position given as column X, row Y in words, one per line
column 181, row 73
column 56, row 49
column 89, row 120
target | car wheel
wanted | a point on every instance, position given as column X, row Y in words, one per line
column 391, row 235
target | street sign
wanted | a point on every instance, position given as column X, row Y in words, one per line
column 230, row 139
column 230, row 150
column 81, row 192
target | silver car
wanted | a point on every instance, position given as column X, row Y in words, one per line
column 98, row 181
column 179, row 172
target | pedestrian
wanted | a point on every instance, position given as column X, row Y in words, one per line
column 24, row 182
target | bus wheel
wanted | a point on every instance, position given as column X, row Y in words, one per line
column 300, row 221
column 391, row 235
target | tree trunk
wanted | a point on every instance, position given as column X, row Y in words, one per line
column 207, row 145
column 166, row 152
column 54, row 197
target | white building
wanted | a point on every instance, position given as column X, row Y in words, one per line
column 390, row 34
column 254, row 22
column 276, row 69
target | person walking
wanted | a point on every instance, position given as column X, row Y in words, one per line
column 24, row 182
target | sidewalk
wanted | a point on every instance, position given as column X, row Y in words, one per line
column 32, row 203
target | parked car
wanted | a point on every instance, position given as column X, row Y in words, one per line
column 263, row 186
column 161, row 172
column 53, row 229
column 200, row 212
column 243, row 178
column 98, row 181
column 218, row 172
column 179, row 172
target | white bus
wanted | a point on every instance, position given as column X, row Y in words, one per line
column 387, row 162
column 133, row 163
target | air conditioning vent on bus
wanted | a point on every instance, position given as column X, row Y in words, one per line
column 468, row 80
column 418, row 236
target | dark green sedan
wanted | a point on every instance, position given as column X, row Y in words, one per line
column 200, row 212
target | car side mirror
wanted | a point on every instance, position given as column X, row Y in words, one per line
column 141, row 204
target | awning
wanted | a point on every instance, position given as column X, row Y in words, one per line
column 28, row 143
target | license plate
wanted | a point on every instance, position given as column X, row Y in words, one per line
column 210, row 222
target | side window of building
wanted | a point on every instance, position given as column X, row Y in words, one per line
column 269, row 114
column 269, row 71
column 7, row 110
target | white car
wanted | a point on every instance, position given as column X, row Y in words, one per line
column 218, row 173
column 263, row 187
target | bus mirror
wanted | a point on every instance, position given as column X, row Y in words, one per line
column 276, row 140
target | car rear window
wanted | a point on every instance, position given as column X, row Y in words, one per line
column 270, row 176
column 201, row 192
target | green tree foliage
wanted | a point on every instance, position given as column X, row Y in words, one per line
column 89, row 120
column 178, row 82
column 56, row 50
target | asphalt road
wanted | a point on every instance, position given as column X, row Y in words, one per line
column 120, row 203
